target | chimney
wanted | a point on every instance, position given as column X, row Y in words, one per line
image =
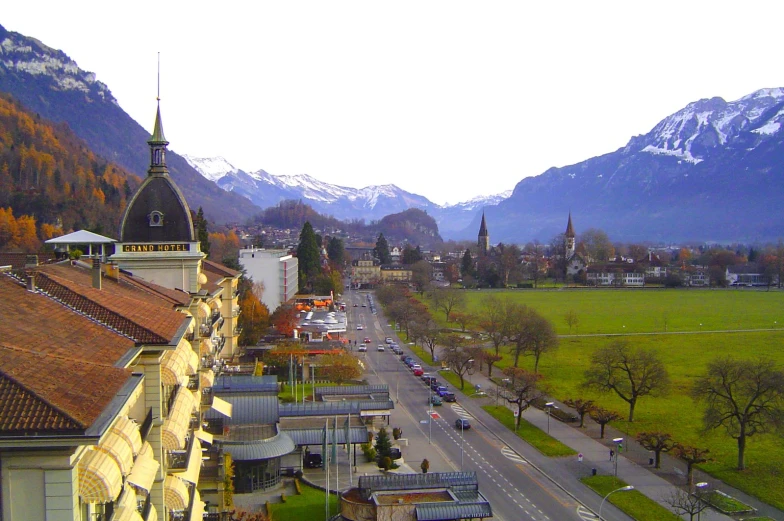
column 31, row 281
column 97, row 273
column 31, row 261
column 112, row 271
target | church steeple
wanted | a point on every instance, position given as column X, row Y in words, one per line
column 158, row 145
column 483, row 241
column 569, row 235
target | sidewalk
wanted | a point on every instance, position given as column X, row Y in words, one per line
column 633, row 461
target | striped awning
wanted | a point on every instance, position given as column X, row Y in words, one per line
column 222, row 406
column 175, row 493
column 191, row 473
column 129, row 430
column 204, row 309
column 175, row 427
column 207, row 378
column 126, row 514
column 203, row 436
column 119, row 449
column 197, row 512
column 100, row 480
column 193, row 359
column 144, row 469
column 175, row 365
column 153, row 515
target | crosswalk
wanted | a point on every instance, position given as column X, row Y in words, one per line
column 460, row 411
column 512, row 455
column 587, row 515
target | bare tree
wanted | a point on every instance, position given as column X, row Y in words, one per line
column 542, row 338
column 425, row 330
column 493, row 320
column 447, row 300
column 746, row 397
column 523, row 390
column 583, row 408
column 630, row 373
column 572, row 319
column 692, row 456
column 685, row 503
column 460, row 360
column 490, row 359
column 603, row 416
column 657, row 442
column 462, row 319
column 518, row 329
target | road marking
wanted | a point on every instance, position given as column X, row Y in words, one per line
column 460, row 411
column 512, row 455
column 586, row 515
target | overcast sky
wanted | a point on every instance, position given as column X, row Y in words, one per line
column 446, row 99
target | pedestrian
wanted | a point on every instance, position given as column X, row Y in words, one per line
column 580, row 458
column 612, row 454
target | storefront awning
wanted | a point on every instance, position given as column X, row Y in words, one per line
column 144, row 469
column 126, row 514
column 204, row 310
column 174, row 366
column 176, row 424
column 222, row 406
column 129, row 431
column 197, row 512
column 193, row 359
column 119, row 449
column 191, row 473
column 153, row 515
column 207, row 378
column 175, row 493
column 100, row 480
column 203, row 435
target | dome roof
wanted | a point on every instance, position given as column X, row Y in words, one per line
column 157, row 212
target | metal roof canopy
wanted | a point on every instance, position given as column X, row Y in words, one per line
column 82, row 237
column 451, row 511
column 333, row 408
column 370, row 484
column 280, row 445
column 352, row 389
column 232, row 383
column 315, row 436
column 248, row 409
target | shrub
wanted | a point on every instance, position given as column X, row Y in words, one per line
column 386, row 463
column 397, row 433
column 283, row 498
column 369, row 452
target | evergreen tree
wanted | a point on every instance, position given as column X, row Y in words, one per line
column 383, row 445
column 382, row 250
column 336, row 251
column 467, row 265
column 308, row 257
column 201, row 232
column 411, row 255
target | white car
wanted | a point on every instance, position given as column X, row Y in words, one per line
column 380, row 347
column 362, row 348
column 360, row 327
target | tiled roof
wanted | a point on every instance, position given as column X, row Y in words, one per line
column 43, row 392
column 218, row 269
column 211, row 285
column 136, row 314
column 19, row 260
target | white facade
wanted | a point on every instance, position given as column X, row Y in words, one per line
column 276, row 270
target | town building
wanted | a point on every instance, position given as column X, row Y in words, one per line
column 276, row 270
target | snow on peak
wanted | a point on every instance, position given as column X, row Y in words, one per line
column 212, row 168
column 481, row 200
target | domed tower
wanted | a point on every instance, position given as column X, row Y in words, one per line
column 483, row 242
column 157, row 240
column 569, row 235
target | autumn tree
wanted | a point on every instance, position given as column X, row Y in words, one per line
column 462, row 319
column 339, row 366
column 603, row 416
column 629, row 373
column 284, row 319
column 425, row 331
column 583, row 408
column 657, row 442
column 572, row 319
column 421, row 275
column 746, row 397
column 597, row 244
column 490, row 359
column 523, row 390
column 254, row 319
column 692, row 456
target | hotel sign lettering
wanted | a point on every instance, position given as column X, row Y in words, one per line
column 143, row 248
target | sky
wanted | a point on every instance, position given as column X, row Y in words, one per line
column 446, row 99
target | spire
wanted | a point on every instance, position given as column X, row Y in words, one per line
column 483, row 227
column 569, row 228
column 157, row 140
column 157, row 132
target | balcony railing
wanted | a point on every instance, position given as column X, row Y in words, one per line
column 214, row 317
column 237, row 330
column 235, row 311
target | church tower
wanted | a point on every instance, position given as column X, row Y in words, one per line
column 483, row 242
column 157, row 240
column 569, row 235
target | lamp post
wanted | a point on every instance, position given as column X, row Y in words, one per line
column 618, row 444
column 462, row 441
column 622, row 489
column 549, row 406
column 701, row 486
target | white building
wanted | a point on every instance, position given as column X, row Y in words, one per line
column 276, row 270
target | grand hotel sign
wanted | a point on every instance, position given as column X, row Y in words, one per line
column 156, row 248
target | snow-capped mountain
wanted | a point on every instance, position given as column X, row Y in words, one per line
column 711, row 171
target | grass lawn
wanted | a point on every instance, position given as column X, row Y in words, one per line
column 539, row 439
column 423, row 354
column 632, row 502
column 705, row 317
column 308, row 505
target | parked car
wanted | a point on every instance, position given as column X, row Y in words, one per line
column 355, row 305
column 312, row 460
column 426, row 376
column 449, row 397
column 462, row 424
column 441, row 390
column 434, row 384
column 403, row 357
column 434, row 399
column 388, row 340
column 418, row 371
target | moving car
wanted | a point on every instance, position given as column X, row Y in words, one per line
column 462, row 424
column 366, row 340
column 434, row 399
column 362, row 348
column 355, row 305
column 380, row 347
column 360, row 327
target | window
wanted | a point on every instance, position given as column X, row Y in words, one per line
column 155, row 218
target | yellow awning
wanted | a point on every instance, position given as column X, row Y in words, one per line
column 203, row 435
column 222, row 406
column 100, row 480
column 119, row 449
column 126, row 514
column 207, row 378
column 129, row 430
column 174, row 366
column 144, row 469
column 197, row 512
column 191, row 473
column 204, row 310
column 175, row 427
column 193, row 359
column 153, row 516
column 175, row 493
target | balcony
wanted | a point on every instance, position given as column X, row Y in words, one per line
column 237, row 330
column 235, row 311
column 214, row 317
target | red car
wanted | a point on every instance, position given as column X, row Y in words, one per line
column 418, row 372
column 366, row 340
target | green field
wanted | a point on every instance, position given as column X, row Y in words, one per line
column 700, row 326
column 308, row 505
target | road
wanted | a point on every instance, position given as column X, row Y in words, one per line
column 509, row 476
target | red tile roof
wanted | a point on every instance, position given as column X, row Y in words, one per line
column 218, row 269
column 19, row 260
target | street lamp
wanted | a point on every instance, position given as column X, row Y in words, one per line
column 622, row 489
column 699, row 492
column 549, row 406
column 618, row 442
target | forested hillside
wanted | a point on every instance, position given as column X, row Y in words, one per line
column 51, row 182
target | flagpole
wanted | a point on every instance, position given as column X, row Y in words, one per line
column 337, row 462
column 348, row 446
column 325, row 461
